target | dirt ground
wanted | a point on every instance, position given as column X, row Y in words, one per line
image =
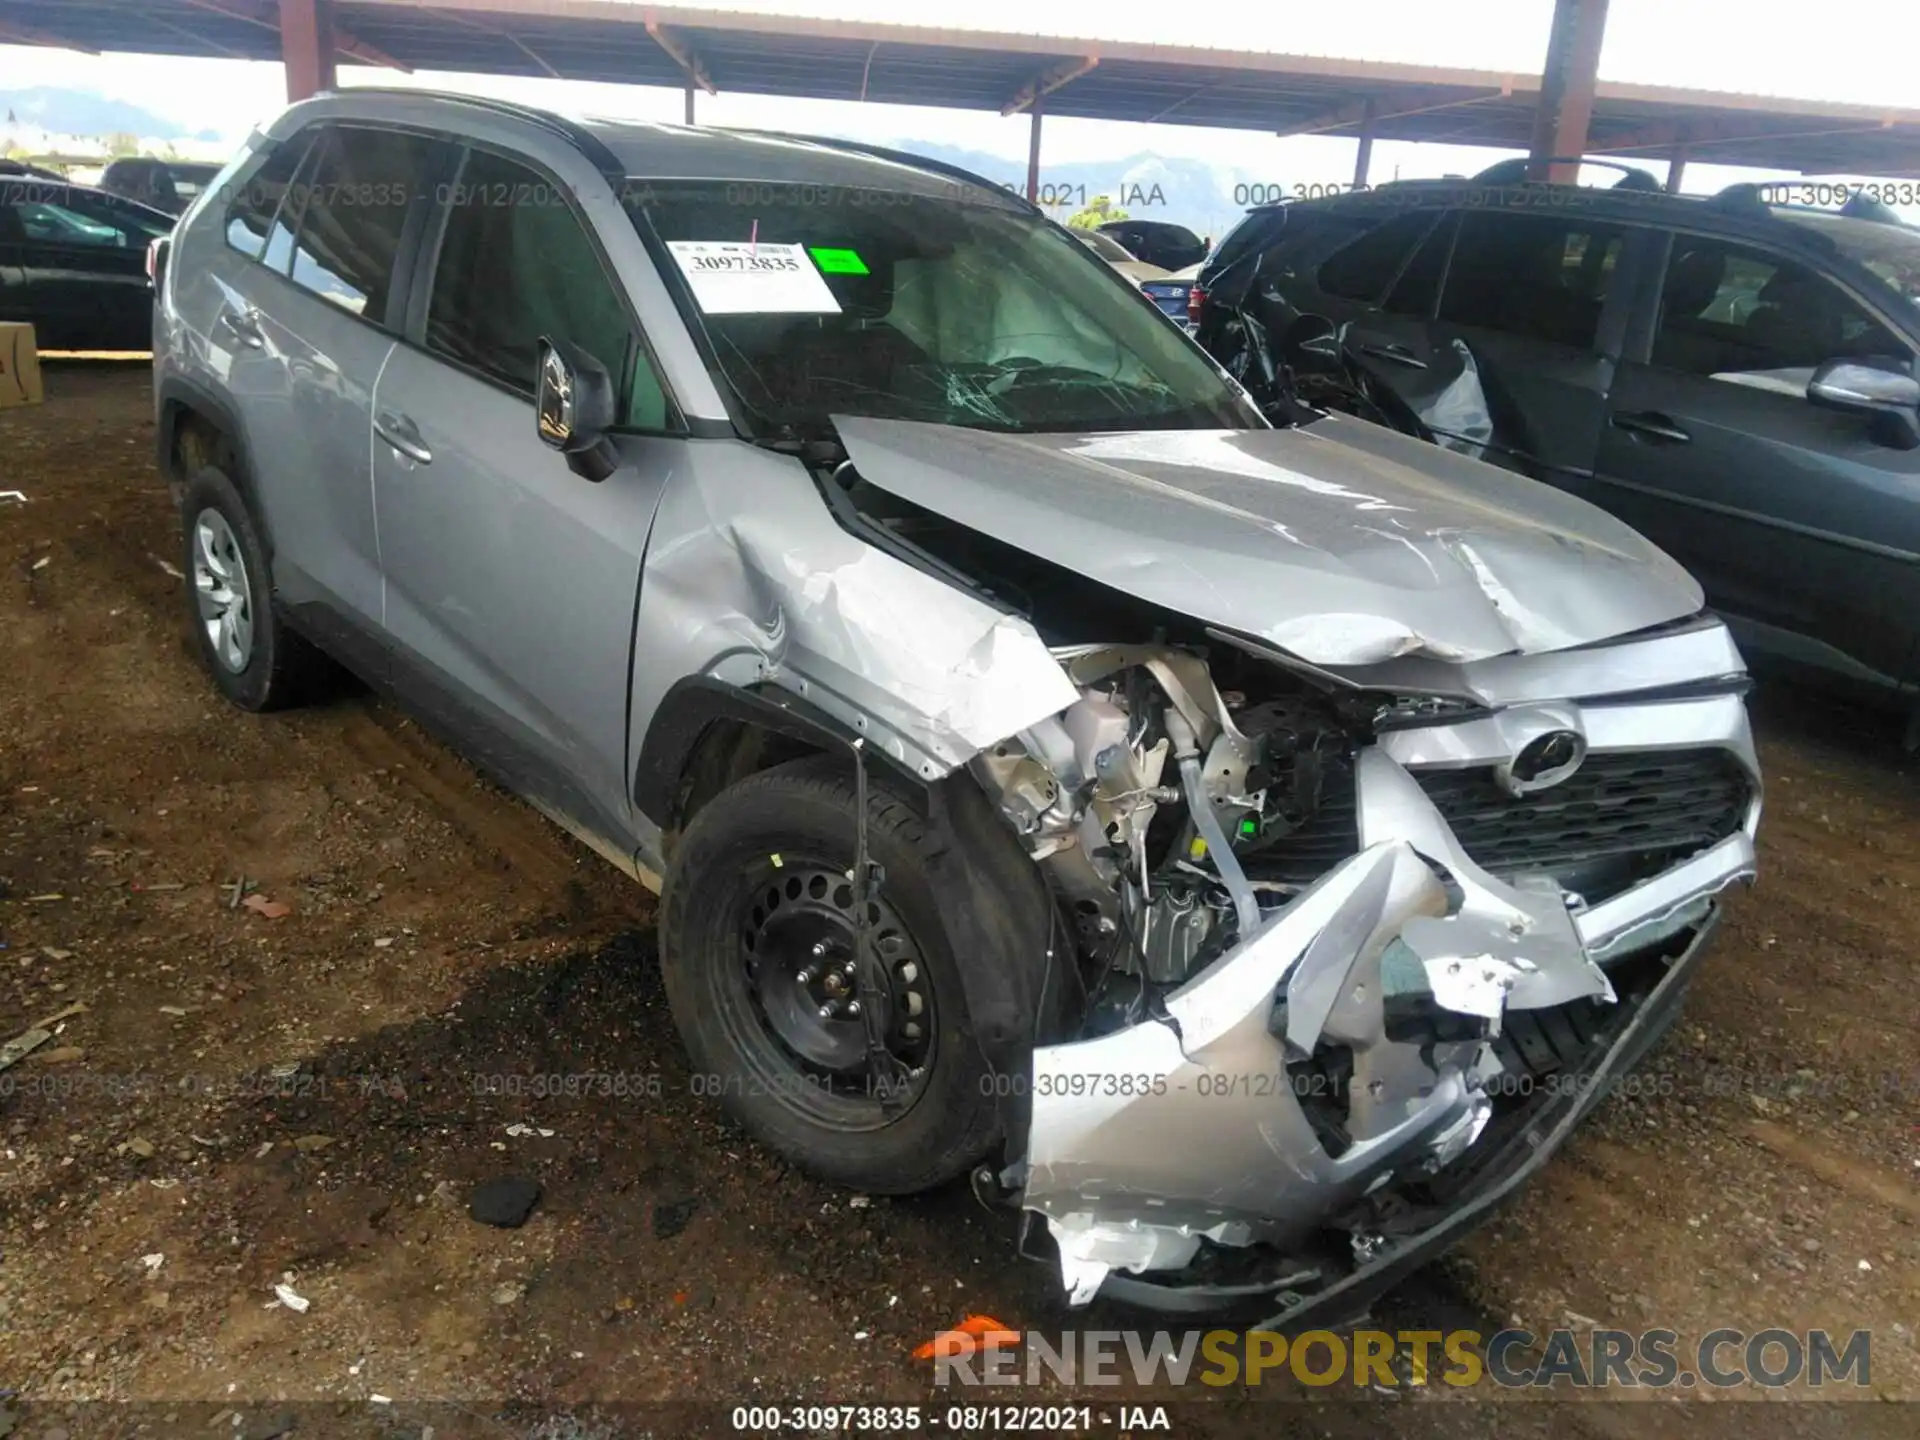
column 307, row 1100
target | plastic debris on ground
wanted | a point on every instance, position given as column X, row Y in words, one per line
column 286, row 1296
column 975, row 1333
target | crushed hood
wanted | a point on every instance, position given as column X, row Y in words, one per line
column 1340, row 542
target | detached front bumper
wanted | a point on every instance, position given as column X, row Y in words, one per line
column 1192, row 1130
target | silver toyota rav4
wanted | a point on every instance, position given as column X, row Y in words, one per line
column 1245, row 851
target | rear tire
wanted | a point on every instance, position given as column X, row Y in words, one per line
column 253, row 659
column 755, row 895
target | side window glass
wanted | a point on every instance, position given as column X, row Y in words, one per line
column 46, row 215
column 1364, row 269
column 355, row 210
column 257, row 201
column 1542, row 277
column 517, row 264
column 13, row 228
column 1418, row 287
column 1727, row 310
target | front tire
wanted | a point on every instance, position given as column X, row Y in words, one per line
column 757, row 937
column 256, row 662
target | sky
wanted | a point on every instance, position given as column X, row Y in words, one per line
column 1861, row 51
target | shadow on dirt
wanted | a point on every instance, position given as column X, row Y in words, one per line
column 630, row 1150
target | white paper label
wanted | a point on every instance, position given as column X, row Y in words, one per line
column 738, row 277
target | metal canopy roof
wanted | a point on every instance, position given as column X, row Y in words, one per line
column 639, row 44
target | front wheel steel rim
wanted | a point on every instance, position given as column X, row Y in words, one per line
column 222, row 591
column 794, row 1001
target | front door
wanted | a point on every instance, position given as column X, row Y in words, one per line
column 511, row 581
column 1793, row 519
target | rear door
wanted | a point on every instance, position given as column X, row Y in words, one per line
column 1534, row 298
column 512, row 582
column 1790, row 515
column 1383, row 287
column 304, row 334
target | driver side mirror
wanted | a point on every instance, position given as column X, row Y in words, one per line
column 574, row 408
column 1890, row 397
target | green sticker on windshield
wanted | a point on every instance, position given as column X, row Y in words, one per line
column 834, row 261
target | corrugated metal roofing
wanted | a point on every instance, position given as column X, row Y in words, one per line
column 606, row 40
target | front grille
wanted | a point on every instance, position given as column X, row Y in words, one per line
column 1652, row 808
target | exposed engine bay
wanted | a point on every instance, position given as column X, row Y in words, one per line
column 1326, row 927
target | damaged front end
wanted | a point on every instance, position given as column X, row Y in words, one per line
column 1356, row 947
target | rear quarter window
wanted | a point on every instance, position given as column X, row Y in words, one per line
column 256, row 200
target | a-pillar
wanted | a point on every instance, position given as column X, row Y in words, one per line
column 306, row 46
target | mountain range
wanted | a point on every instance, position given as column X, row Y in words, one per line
column 78, row 112
column 1206, row 198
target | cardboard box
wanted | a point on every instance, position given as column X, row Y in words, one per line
column 19, row 365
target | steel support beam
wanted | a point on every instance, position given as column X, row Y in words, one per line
column 1363, row 156
column 1048, row 81
column 1698, row 133
column 1033, row 149
column 690, row 94
column 1676, row 166
column 12, row 34
column 266, row 15
column 1365, row 112
column 682, row 54
column 306, row 47
column 1566, row 88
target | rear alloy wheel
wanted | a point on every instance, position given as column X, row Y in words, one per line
column 760, row 955
column 222, row 591
column 256, row 661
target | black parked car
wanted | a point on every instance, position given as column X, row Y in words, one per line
column 73, row 263
column 1735, row 379
column 1158, row 242
column 169, row 185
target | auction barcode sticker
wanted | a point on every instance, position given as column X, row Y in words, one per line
column 739, row 277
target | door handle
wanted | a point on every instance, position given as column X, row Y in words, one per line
column 403, row 435
column 1395, row 355
column 245, row 324
column 1650, row 423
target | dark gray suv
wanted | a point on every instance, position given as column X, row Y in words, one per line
column 1732, row 377
column 1247, row 850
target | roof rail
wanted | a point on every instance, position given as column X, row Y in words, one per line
column 1515, row 171
column 1743, row 198
column 899, row 157
column 1862, row 206
column 574, row 133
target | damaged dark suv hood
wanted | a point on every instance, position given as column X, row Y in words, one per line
column 1340, row 542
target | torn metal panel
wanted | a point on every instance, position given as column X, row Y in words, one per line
column 1505, row 946
column 749, row 578
column 1342, row 543
column 1669, row 902
column 1698, row 649
column 1229, row 1141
